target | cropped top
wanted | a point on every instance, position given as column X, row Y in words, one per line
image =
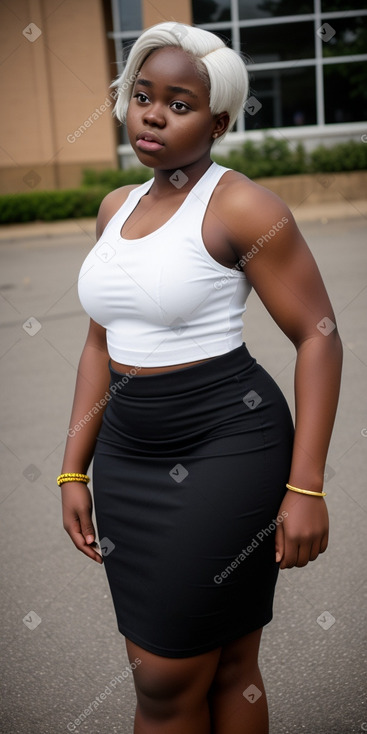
column 162, row 298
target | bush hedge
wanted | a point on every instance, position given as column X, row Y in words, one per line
column 51, row 205
column 270, row 158
column 112, row 179
column 274, row 157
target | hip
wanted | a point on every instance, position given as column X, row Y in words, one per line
column 222, row 397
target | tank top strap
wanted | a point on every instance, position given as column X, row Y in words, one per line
column 204, row 188
column 120, row 217
column 136, row 194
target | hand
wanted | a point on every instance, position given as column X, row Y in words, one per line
column 303, row 534
column 77, row 517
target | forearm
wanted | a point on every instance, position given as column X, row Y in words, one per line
column 317, row 384
column 90, row 400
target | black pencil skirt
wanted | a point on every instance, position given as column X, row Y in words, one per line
column 189, row 473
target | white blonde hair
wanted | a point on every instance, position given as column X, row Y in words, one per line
column 224, row 70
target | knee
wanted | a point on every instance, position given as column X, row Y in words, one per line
column 156, row 686
column 232, row 674
column 168, row 688
column 162, row 695
column 238, row 663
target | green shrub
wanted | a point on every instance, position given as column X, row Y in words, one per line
column 112, row 179
column 51, row 205
column 68, row 203
column 350, row 156
column 274, row 157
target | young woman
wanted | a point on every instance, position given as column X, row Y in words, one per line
column 202, row 488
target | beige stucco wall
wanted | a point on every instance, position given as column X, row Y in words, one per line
column 166, row 10
column 49, row 88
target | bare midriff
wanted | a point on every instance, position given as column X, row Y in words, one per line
column 125, row 368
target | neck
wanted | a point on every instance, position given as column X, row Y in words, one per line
column 164, row 180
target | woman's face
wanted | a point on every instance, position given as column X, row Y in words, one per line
column 169, row 121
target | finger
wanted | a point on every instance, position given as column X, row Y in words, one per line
column 304, row 554
column 324, row 542
column 80, row 543
column 290, row 555
column 279, row 543
column 315, row 551
column 87, row 527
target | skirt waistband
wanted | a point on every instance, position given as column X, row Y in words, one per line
column 184, row 378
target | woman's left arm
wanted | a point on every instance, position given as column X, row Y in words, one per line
column 284, row 274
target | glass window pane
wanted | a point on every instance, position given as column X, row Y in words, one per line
column 249, row 9
column 345, row 36
column 279, row 42
column 331, row 6
column 130, row 15
column 287, row 96
column 211, row 11
column 345, row 92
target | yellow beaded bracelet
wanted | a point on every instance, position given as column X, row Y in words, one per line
column 72, row 477
column 306, row 491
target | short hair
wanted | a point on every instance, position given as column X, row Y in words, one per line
column 224, row 70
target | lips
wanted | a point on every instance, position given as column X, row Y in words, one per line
column 149, row 141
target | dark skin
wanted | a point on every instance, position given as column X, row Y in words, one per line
column 204, row 694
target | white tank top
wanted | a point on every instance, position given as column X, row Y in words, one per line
column 163, row 299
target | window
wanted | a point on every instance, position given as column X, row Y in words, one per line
column 210, row 11
column 350, row 36
column 345, row 93
column 268, row 43
column 306, row 60
column 129, row 15
column 331, row 6
column 272, row 8
column 287, row 97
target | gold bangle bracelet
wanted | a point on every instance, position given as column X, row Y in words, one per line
column 72, row 477
column 306, row 491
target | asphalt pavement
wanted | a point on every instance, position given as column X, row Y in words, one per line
column 61, row 652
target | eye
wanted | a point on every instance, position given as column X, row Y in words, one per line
column 141, row 97
column 180, row 106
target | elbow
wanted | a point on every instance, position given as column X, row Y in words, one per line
column 327, row 342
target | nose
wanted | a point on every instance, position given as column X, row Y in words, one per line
column 154, row 116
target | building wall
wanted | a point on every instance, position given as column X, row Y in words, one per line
column 54, row 81
column 161, row 11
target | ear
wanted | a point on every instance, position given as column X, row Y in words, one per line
column 221, row 123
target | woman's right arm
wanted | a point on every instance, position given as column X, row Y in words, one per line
column 90, row 400
column 90, row 391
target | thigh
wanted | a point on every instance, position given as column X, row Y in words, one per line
column 238, row 661
column 161, row 678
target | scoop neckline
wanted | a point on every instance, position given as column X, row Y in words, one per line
column 176, row 213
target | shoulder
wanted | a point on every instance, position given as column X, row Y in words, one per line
column 110, row 205
column 249, row 209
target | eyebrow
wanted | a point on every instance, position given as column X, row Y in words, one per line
column 179, row 90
